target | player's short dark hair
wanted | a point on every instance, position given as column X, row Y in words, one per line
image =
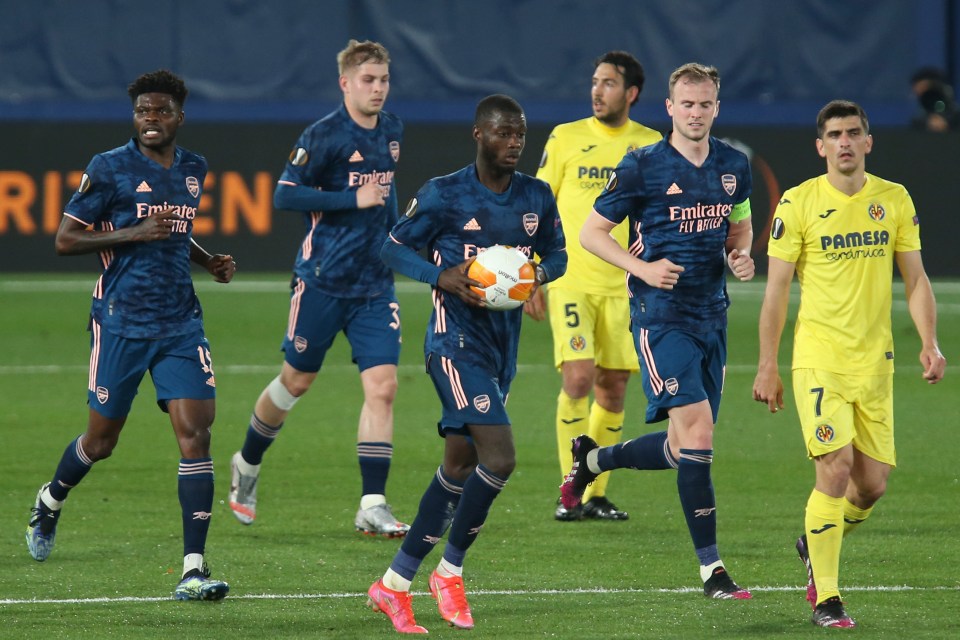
column 357, row 53
column 497, row 103
column 841, row 109
column 628, row 66
column 159, row 81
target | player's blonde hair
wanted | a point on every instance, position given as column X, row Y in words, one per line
column 357, row 53
column 696, row 73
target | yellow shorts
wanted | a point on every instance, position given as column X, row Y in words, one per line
column 836, row 410
column 591, row 327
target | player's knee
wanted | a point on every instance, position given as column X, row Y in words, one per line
column 577, row 386
column 611, row 389
column 284, row 398
column 382, row 392
column 98, row 448
column 870, row 494
column 502, row 466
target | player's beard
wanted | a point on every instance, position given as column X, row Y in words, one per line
column 611, row 118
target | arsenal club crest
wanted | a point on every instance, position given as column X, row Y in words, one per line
column 729, row 182
column 193, row 186
column 530, row 223
column 482, row 403
column 395, row 150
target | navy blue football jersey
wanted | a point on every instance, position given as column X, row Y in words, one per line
column 455, row 216
column 679, row 212
column 340, row 254
column 145, row 290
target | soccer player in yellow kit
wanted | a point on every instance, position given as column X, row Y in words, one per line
column 841, row 233
column 588, row 307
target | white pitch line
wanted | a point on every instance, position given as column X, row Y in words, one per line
column 482, row 592
column 260, row 369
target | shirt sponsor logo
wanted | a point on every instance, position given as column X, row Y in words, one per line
column 185, row 211
column 855, row 239
column 357, row 178
column 84, row 183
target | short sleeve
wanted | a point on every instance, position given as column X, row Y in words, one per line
column 92, row 199
column 786, row 234
column 623, row 192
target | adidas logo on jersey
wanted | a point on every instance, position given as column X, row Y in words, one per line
column 674, row 190
column 144, row 188
column 473, row 225
column 356, row 157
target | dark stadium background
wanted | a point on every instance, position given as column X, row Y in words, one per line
column 258, row 72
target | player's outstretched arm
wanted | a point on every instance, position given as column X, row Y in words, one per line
column 296, row 197
column 923, row 311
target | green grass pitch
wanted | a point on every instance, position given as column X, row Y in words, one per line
column 301, row 571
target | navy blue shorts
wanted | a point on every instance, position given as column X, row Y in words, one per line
column 180, row 366
column 372, row 326
column 680, row 368
column 469, row 395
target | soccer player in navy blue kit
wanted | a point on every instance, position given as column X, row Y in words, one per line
column 141, row 200
column 471, row 352
column 687, row 200
column 340, row 175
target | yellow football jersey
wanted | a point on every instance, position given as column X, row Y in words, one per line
column 843, row 247
column 577, row 161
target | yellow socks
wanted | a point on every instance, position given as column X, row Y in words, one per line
column 607, row 429
column 853, row 516
column 572, row 417
column 824, row 527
